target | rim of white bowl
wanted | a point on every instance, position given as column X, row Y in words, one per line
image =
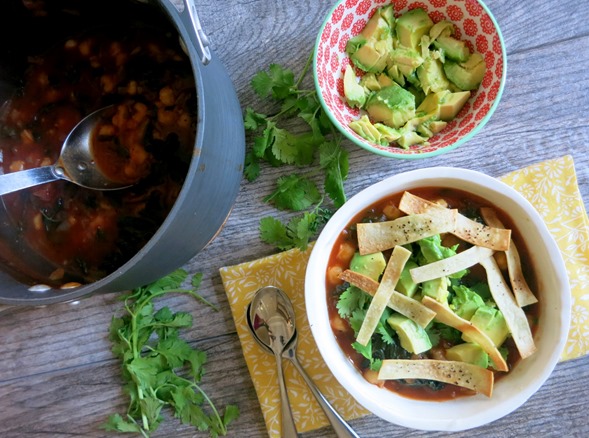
column 462, row 413
column 392, row 154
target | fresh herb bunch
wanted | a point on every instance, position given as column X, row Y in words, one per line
column 273, row 144
column 153, row 354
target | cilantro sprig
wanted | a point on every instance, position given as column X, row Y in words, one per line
column 160, row 368
column 318, row 147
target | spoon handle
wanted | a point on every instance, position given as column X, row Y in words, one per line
column 11, row 182
column 289, row 429
column 340, row 426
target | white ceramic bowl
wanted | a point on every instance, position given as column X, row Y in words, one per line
column 475, row 25
column 509, row 392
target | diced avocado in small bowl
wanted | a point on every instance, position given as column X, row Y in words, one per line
column 410, row 81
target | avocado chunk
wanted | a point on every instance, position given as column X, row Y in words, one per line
column 406, row 59
column 454, row 49
column 412, row 337
column 466, row 302
column 393, row 106
column 492, row 322
column 388, row 134
column 384, row 80
column 431, row 127
column 466, row 75
column 371, row 265
column 411, row 26
column 436, row 126
column 444, row 104
column 452, row 103
column 376, row 133
column 388, row 13
column 432, row 77
column 371, row 57
column 431, row 103
column 355, row 43
column 469, row 353
column 441, row 28
column 406, row 285
column 436, row 289
column 377, row 28
column 394, row 73
column 410, row 138
column 354, row 92
column 370, row 82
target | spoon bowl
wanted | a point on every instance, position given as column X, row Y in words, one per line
column 76, row 162
column 284, row 310
column 272, row 324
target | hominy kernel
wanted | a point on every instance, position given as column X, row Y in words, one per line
column 106, row 130
column 392, row 212
column 184, row 120
column 70, row 44
column 26, row 136
column 346, row 252
column 85, row 48
column 166, row 117
column 167, row 96
column 333, row 274
column 38, row 222
column 338, row 324
column 17, row 165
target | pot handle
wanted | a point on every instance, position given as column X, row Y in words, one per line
column 187, row 17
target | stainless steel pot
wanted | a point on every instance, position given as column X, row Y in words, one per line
column 211, row 185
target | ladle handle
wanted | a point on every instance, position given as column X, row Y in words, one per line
column 340, row 426
column 14, row 181
column 190, row 29
column 289, row 429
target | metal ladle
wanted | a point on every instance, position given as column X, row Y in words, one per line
column 279, row 308
column 75, row 164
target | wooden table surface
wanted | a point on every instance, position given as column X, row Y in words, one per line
column 58, row 377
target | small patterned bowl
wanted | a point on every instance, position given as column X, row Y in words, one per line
column 474, row 24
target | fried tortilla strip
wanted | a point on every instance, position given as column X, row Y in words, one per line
column 451, row 265
column 406, row 306
column 461, row 374
column 467, row 229
column 522, row 292
column 380, row 236
column 385, row 289
column 515, row 317
column 445, row 315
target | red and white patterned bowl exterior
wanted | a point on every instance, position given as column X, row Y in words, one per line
column 474, row 25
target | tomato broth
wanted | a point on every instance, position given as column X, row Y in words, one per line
column 141, row 71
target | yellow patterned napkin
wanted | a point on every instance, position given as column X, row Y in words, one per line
column 550, row 186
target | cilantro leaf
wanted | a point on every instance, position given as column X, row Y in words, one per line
column 294, row 192
column 265, row 142
column 334, row 160
column 253, row 120
column 274, row 232
column 278, row 82
column 289, row 148
column 276, row 145
column 302, row 229
column 153, row 354
column 297, row 233
column 251, row 169
column 364, row 350
column 116, row 423
column 351, row 299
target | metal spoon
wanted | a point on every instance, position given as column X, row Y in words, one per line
column 340, row 426
column 75, row 164
column 270, row 322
